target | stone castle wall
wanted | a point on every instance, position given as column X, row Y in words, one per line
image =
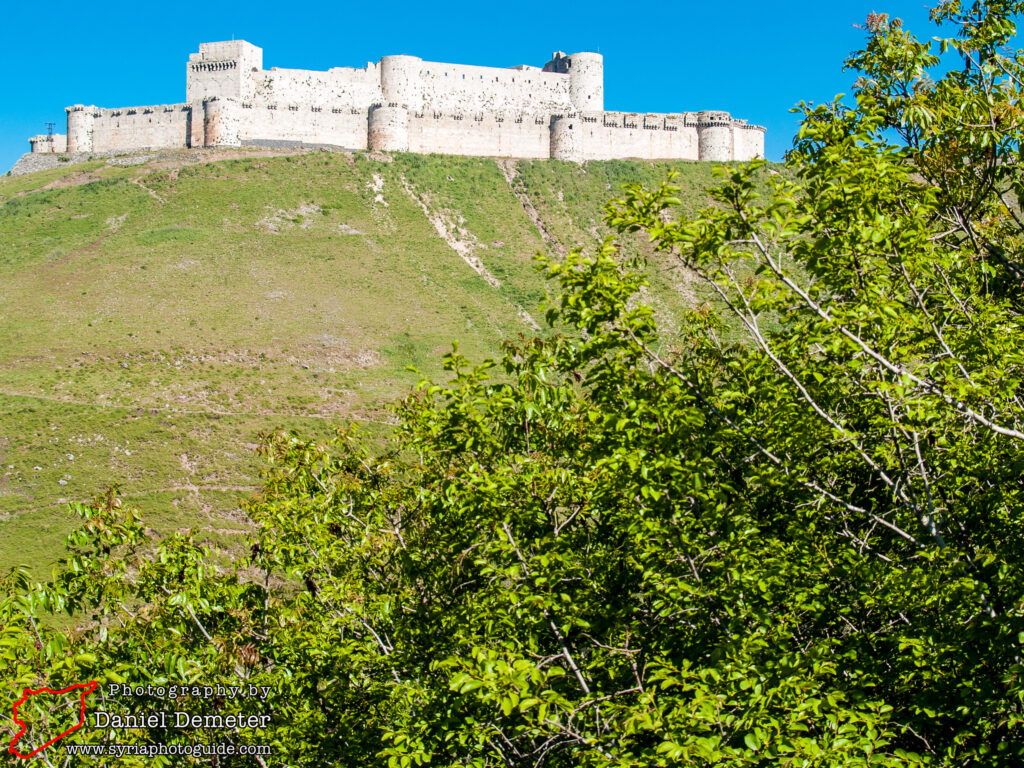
column 351, row 87
column 403, row 103
column 609, row 135
column 141, row 127
column 480, row 135
column 464, row 89
column 48, row 144
column 91, row 129
column 342, row 127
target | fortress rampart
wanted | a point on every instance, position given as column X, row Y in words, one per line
column 403, row 103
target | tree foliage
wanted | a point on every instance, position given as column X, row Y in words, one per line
column 791, row 536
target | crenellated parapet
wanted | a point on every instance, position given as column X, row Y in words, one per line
column 49, row 144
column 81, row 123
column 222, row 70
column 405, row 103
column 696, row 136
column 714, row 136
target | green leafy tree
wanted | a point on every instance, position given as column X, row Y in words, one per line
column 789, row 536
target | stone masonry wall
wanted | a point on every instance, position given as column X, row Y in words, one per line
column 469, row 89
column 480, row 135
column 54, row 143
column 408, row 81
column 341, row 86
column 748, row 141
column 222, row 70
column 321, row 125
column 609, row 135
column 131, row 128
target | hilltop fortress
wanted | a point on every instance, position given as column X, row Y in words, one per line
column 402, row 103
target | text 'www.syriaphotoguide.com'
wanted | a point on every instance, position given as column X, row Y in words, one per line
column 156, row 750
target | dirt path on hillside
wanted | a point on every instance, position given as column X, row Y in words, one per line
column 459, row 239
column 463, row 242
column 137, row 181
column 73, row 180
column 511, row 174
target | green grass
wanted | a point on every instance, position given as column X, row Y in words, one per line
column 14, row 186
column 154, row 319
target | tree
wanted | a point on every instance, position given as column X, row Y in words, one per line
column 791, row 536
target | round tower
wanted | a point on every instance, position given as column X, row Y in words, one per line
column 220, row 124
column 714, row 136
column 400, row 81
column 81, row 120
column 565, row 139
column 388, row 129
column 749, row 141
column 586, row 81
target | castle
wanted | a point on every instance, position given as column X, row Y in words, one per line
column 402, row 103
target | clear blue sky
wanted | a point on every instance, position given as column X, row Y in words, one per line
column 754, row 59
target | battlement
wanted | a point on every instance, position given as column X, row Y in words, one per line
column 49, row 144
column 404, row 103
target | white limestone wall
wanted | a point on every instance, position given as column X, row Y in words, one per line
column 196, row 125
column 400, row 83
column 49, row 144
column 748, row 141
column 715, row 136
column 337, row 87
column 131, row 128
column 566, row 139
column 388, row 129
column 586, row 81
column 480, row 135
column 222, row 70
column 81, row 120
column 223, row 123
column 333, row 126
column 620, row 135
column 469, row 89
column 418, row 85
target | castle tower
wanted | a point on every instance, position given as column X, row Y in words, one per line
column 388, row 129
column 586, row 81
column 586, row 78
column 222, row 70
column 81, row 121
column 566, row 143
column 400, row 82
column 747, row 141
column 221, row 123
column 714, row 136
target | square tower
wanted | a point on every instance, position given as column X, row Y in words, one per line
column 222, row 70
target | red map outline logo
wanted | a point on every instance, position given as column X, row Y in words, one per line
column 87, row 688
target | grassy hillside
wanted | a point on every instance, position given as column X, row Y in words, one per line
column 155, row 318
